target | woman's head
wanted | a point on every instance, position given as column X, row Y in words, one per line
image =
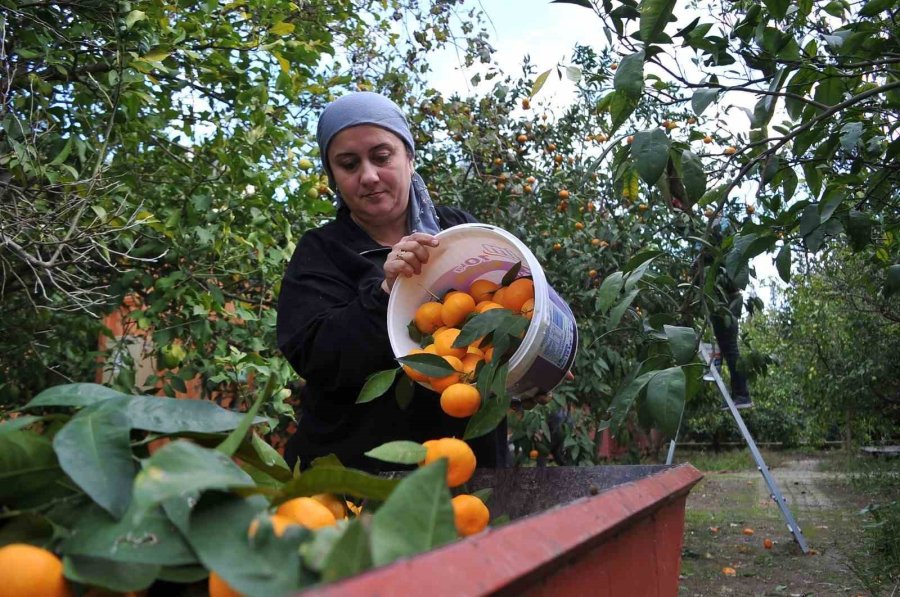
column 357, row 109
column 367, row 151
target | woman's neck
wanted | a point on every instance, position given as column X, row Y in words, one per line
column 387, row 234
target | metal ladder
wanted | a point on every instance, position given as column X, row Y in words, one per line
column 774, row 492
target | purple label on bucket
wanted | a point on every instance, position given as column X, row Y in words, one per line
column 557, row 352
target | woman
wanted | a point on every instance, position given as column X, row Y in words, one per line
column 332, row 310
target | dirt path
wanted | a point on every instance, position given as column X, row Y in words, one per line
column 724, row 504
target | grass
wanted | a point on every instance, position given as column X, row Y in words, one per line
column 879, row 479
column 728, row 460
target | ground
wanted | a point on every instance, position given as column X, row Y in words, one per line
column 825, row 505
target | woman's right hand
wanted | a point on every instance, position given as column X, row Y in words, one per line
column 407, row 257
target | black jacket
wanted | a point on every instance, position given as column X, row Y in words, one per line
column 332, row 327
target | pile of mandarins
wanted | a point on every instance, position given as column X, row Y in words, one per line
column 440, row 322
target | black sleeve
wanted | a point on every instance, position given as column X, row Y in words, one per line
column 332, row 321
column 452, row 216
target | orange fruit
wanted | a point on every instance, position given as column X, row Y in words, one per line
column 307, row 511
column 333, row 503
column 563, row 194
column 533, row 455
column 488, row 354
column 279, row 525
column 522, row 138
column 460, row 400
column 470, row 514
column 748, row 531
column 579, row 226
column 29, row 570
column 729, row 571
column 556, row 247
column 707, row 139
column 457, row 305
column 519, row 291
column 767, row 543
column 730, row 150
column 487, row 306
column 482, row 290
column 439, row 384
column 412, row 373
column 528, row 306
column 443, row 343
column 219, row 588
column 470, row 362
column 428, row 317
column 460, row 458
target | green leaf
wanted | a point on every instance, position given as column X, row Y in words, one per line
column 511, row 274
column 629, row 77
column 650, row 151
column 399, row 452
column 702, row 98
column 94, row 449
column 683, row 343
column 616, row 313
column 109, row 574
column 379, row 383
column 231, row 443
column 850, row 134
column 133, row 17
column 654, row 17
column 350, row 555
column 624, row 400
column 609, row 291
column 493, row 409
column 28, row 465
column 416, row 518
column 18, row 423
column 489, row 322
column 778, row 8
column 74, row 394
column 859, row 229
column 26, row 527
column 783, row 262
column 665, row 399
column 693, row 176
column 620, row 108
column 266, row 453
column 809, row 221
column 404, row 392
column 337, row 479
column 641, row 258
column 873, row 7
column 428, row 364
column 265, row 566
column 892, row 280
column 170, row 415
column 182, row 467
column 152, row 540
column 539, row 82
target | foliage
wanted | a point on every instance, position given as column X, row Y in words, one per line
column 80, row 477
column 162, row 153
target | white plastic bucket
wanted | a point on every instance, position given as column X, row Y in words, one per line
column 470, row 252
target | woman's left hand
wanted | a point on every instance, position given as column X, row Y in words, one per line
column 407, row 257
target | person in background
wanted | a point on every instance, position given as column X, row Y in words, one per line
column 332, row 308
column 726, row 322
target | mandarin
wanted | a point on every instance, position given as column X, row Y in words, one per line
column 29, row 570
column 443, row 343
column 460, row 458
column 428, row 317
column 460, row 400
column 482, row 290
column 439, row 384
column 470, row 514
column 307, row 511
column 457, row 305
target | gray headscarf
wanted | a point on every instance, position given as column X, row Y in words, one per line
column 366, row 107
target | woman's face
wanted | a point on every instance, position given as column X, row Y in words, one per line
column 373, row 172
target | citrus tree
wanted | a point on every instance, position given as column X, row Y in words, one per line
column 162, row 152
